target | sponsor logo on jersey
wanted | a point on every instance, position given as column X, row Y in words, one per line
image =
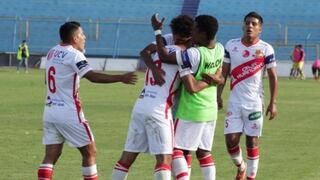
column 246, row 70
column 254, row 116
column 210, row 65
column 82, row 64
column 245, row 53
column 229, row 113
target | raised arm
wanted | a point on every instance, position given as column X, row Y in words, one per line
column 162, row 51
column 157, row 73
column 97, row 77
column 273, row 86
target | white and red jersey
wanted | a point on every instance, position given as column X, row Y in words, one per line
column 247, row 64
column 65, row 66
column 159, row 98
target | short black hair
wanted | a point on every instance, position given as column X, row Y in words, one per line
column 254, row 15
column 67, row 30
column 207, row 24
column 24, row 41
column 182, row 25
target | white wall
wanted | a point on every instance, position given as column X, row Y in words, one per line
column 283, row 67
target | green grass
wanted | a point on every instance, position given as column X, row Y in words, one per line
column 289, row 145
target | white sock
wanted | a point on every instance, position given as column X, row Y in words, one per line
column 120, row 172
column 208, row 169
column 179, row 165
column 253, row 162
column 162, row 172
column 90, row 173
column 236, row 156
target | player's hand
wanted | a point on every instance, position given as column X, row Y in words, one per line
column 129, row 78
column 212, row 78
column 220, row 103
column 158, row 76
column 156, row 23
column 272, row 110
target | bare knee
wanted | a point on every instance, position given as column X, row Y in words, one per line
column 163, row 159
column 232, row 140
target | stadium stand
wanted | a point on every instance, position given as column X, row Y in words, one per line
column 122, row 28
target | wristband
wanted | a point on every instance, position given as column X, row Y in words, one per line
column 157, row 32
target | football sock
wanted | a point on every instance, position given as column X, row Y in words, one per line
column 208, row 169
column 188, row 158
column 90, row 173
column 162, row 172
column 179, row 165
column 253, row 162
column 236, row 157
column 45, row 172
column 120, row 171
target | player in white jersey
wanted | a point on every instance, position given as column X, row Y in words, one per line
column 151, row 128
column 245, row 59
column 197, row 108
column 63, row 117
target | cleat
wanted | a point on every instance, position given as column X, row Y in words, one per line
column 241, row 174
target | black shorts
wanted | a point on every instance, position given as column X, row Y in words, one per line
column 315, row 71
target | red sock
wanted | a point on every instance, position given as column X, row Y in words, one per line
column 45, row 172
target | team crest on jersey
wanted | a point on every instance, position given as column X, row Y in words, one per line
column 258, row 54
column 245, row 53
column 49, row 102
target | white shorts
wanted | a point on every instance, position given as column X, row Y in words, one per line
column 76, row 134
column 244, row 118
column 191, row 135
column 150, row 133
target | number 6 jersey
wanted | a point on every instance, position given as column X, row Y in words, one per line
column 65, row 66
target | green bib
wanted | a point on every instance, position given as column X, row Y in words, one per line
column 202, row 106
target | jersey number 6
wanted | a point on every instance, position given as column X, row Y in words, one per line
column 51, row 80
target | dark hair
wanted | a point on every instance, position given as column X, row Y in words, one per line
column 254, row 15
column 24, row 41
column 67, row 30
column 207, row 24
column 182, row 25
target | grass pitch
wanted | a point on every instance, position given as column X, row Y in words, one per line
column 289, row 144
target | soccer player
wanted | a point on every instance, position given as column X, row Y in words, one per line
column 151, row 128
column 63, row 117
column 298, row 56
column 197, row 111
column 245, row 58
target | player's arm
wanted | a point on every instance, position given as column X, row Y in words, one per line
column 213, row 79
column 97, row 77
column 192, row 85
column 225, row 73
column 162, row 51
column 145, row 55
column 273, row 86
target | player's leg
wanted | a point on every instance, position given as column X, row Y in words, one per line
column 26, row 64
column 253, row 119
column 53, row 140
column 187, row 138
column 206, row 162
column 252, row 143
column 52, row 154
column 121, row 169
column 233, row 130
column 163, row 167
column 188, row 157
column 89, row 167
column 136, row 142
